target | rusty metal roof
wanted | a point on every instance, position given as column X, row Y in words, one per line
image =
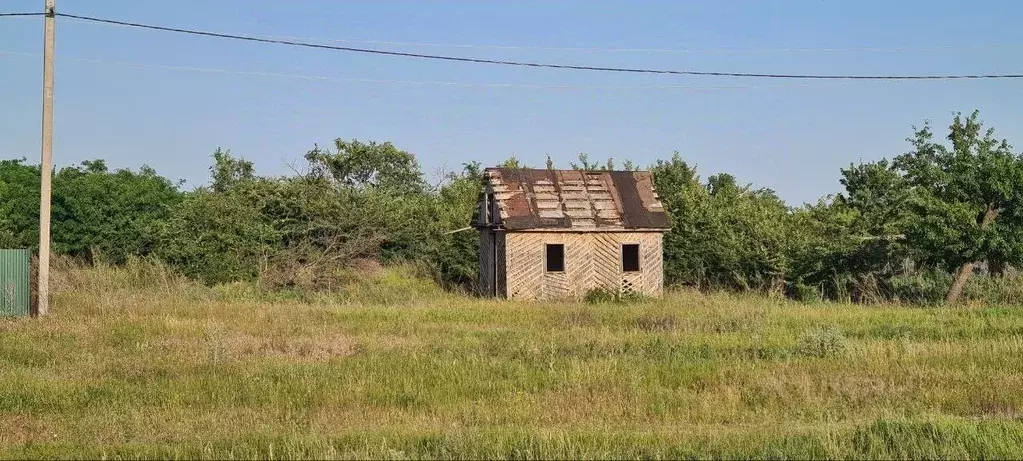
column 574, row 200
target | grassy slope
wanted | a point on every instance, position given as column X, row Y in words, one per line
column 129, row 367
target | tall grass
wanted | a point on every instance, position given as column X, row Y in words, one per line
column 135, row 362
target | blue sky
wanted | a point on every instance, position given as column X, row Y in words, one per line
column 791, row 136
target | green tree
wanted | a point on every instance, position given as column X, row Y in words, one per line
column 821, row 251
column 19, row 204
column 368, row 165
column 228, row 171
column 112, row 213
column 724, row 235
column 453, row 250
column 967, row 199
column 879, row 195
column 854, row 243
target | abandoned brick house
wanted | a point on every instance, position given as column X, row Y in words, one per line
column 554, row 233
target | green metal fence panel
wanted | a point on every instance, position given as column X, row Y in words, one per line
column 15, row 285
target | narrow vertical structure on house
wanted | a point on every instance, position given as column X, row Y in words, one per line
column 547, row 234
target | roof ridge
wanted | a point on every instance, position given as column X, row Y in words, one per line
column 501, row 168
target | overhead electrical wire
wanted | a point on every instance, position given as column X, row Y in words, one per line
column 648, row 50
column 695, row 88
column 724, row 50
column 535, row 64
column 464, row 59
column 20, row 14
column 626, row 49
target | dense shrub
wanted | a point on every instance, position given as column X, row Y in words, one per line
column 96, row 212
column 216, row 237
column 820, row 342
column 725, row 235
column 302, row 232
column 109, row 213
column 19, row 204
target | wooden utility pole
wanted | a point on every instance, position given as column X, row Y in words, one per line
column 46, row 163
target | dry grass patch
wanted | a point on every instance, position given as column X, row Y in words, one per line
column 135, row 363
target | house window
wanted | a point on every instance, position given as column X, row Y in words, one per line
column 630, row 257
column 555, row 258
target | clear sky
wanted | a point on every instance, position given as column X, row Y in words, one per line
column 791, row 136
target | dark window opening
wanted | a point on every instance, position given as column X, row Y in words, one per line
column 555, row 258
column 490, row 205
column 630, row 258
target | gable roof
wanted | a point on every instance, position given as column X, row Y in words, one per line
column 574, row 200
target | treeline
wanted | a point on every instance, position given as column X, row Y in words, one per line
column 358, row 201
column 914, row 227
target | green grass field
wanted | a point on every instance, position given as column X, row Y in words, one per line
column 134, row 363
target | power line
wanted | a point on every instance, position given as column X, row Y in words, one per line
column 432, row 82
column 648, row 50
column 724, row 50
column 536, row 64
column 628, row 49
column 625, row 49
column 288, row 41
